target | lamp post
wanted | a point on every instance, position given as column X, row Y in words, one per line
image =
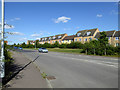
column 2, row 43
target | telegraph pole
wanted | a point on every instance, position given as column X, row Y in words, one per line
column 2, row 43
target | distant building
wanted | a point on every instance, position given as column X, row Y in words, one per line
column 85, row 35
column 53, row 39
column 68, row 39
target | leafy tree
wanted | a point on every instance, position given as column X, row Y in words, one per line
column 103, row 42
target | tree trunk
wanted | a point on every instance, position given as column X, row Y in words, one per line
column 94, row 51
column 105, row 51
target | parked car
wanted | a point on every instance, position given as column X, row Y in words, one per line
column 43, row 50
column 20, row 48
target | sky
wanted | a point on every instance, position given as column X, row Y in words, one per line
column 33, row 20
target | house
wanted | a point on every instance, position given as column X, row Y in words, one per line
column 85, row 35
column 30, row 42
column 110, row 35
column 68, row 39
column 52, row 39
column 116, row 39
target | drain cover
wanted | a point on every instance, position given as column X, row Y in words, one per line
column 50, row 77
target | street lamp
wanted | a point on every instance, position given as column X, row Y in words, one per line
column 2, row 43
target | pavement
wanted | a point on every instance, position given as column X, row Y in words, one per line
column 29, row 76
column 76, row 71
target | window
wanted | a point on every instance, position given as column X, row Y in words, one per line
column 49, row 38
column 86, row 39
column 68, row 40
column 75, row 39
column 88, row 33
column 108, row 38
column 96, row 39
column 45, row 38
column 117, row 44
column 48, row 41
column 90, row 39
column 54, row 37
column 59, row 41
column 52, row 41
column 80, row 39
column 59, row 36
column 78, row 34
column 117, row 38
column 63, row 41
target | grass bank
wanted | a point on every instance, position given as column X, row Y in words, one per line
column 65, row 50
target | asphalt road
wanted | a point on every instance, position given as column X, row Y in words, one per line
column 77, row 71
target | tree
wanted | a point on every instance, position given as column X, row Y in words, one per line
column 56, row 44
column 103, row 42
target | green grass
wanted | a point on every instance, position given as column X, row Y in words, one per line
column 65, row 50
column 73, row 51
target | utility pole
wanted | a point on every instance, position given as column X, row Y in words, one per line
column 2, row 43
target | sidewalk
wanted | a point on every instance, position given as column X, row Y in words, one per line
column 29, row 77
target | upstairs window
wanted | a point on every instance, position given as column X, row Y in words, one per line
column 45, row 38
column 90, row 39
column 59, row 36
column 54, row 37
column 88, row 33
column 86, row 39
column 49, row 38
column 75, row 39
column 78, row 34
column 80, row 39
column 117, row 38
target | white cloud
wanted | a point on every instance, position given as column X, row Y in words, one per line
column 114, row 12
column 23, row 39
column 7, row 26
column 36, row 35
column 77, row 27
column 15, row 19
column 99, row 15
column 67, row 29
column 16, row 33
column 62, row 19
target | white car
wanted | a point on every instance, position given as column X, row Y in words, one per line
column 43, row 50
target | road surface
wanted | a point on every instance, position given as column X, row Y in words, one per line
column 77, row 71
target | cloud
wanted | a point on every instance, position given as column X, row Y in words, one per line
column 67, row 29
column 62, row 19
column 14, row 19
column 114, row 12
column 7, row 26
column 99, row 15
column 23, row 39
column 77, row 27
column 16, row 33
column 36, row 35
column 17, row 18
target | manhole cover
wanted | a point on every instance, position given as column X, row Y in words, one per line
column 50, row 77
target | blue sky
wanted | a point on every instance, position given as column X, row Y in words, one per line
column 36, row 20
